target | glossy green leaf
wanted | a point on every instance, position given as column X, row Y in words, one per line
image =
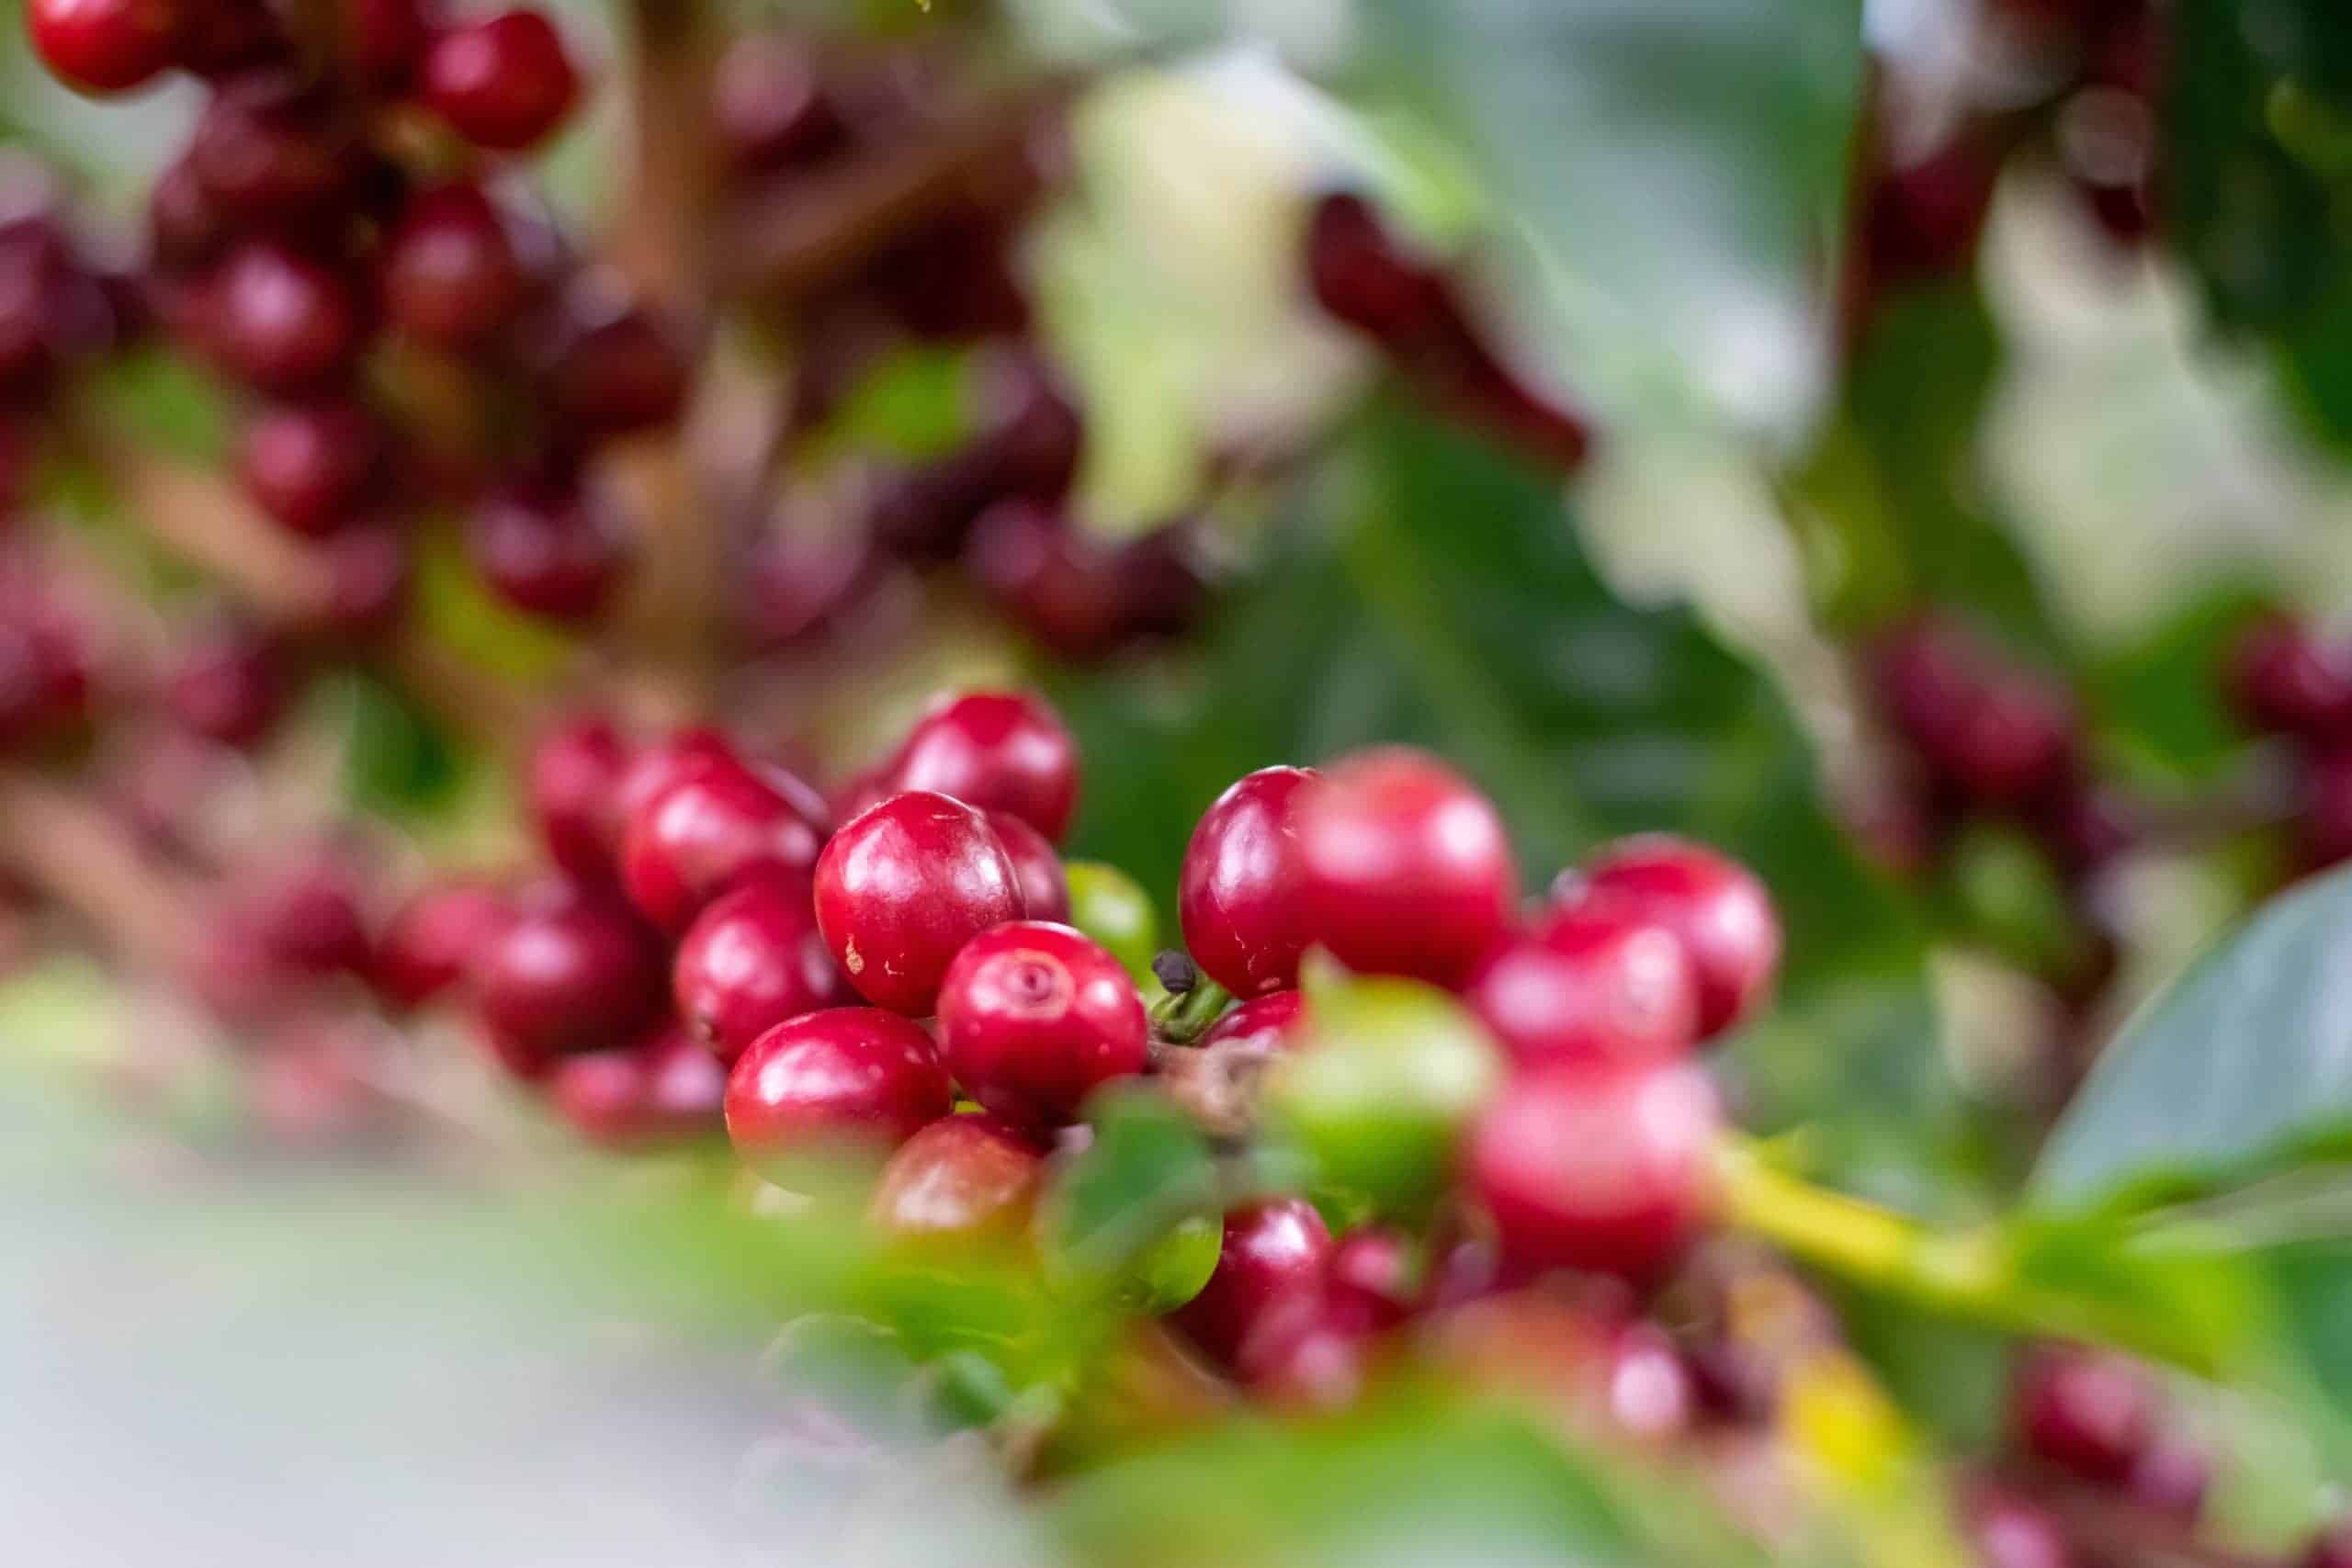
column 1147, row 1171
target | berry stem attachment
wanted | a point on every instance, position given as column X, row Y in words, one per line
column 1971, row 1274
column 1181, row 1016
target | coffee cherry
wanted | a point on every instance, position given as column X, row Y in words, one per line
column 1922, row 220
column 1363, row 276
column 1032, row 1018
column 769, row 105
column 103, row 46
column 1717, row 908
column 384, row 39
column 2283, row 680
column 272, row 148
column 1049, row 577
column 610, row 366
column 2089, row 1412
column 752, row 960
column 1263, row 1024
column 502, row 82
column 656, row 768
column 1270, row 1251
column 449, row 273
column 962, row 1176
column 548, row 547
column 574, row 972
column 664, row 1091
column 432, row 939
column 1407, row 867
column 574, row 790
column 847, row 1074
column 1045, row 890
column 998, row 750
column 903, row 886
column 2172, row 1478
column 1241, row 896
column 2332, row 1548
column 2009, row 1531
column 1305, row 1355
column 308, row 913
column 310, row 465
column 366, row 579
column 284, row 321
column 231, row 686
column 1372, row 1282
column 221, row 39
column 2016, row 738
column 1603, row 1168
column 1595, row 982
column 2323, row 825
column 719, row 825
column 185, row 227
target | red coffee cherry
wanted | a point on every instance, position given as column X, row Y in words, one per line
column 547, row 547
column 432, row 942
column 311, row 465
column 1373, row 1283
column 664, row 1091
column 274, row 147
column 847, row 1074
column 769, row 106
column 2089, row 1412
column 721, row 824
column 1603, row 1168
column 1032, row 1018
column 1307, row 1355
column 1241, row 898
column 1717, row 908
column 1045, row 888
column 608, row 366
column 283, row 321
column 962, row 1176
column 103, row 46
column 185, row 227
column 575, row 971
column 2011, row 1531
column 1272, row 1252
column 366, row 579
column 2323, row 825
column 1060, row 585
column 1267, row 1023
column 231, row 685
column 752, row 960
column 449, row 273
column 998, row 750
column 573, row 789
column 1407, row 868
column 656, row 768
column 221, row 39
column 501, row 82
column 309, row 913
column 2172, row 1478
column 1362, row 275
column 1598, row 981
column 2283, row 680
column 2015, row 739
column 384, row 39
column 2332, row 1548
column 903, row 886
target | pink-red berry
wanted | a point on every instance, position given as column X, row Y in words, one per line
column 1263, row 1024
column 902, row 886
column 1598, row 981
column 434, row 939
column 1242, row 894
column 572, row 787
column 722, row 823
column 1272, row 1251
column 664, row 1091
column 575, row 971
column 103, row 46
column 998, row 750
column 1035, row 1017
column 962, row 1176
column 1044, row 887
column 845, row 1075
column 502, row 82
column 1717, row 908
column 2089, row 1412
column 750, row 960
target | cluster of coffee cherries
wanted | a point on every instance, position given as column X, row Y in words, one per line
column 2291, row 684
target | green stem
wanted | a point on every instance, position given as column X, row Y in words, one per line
column 1185, row 1016
column 1968, row 1274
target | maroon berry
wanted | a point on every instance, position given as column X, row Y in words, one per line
column 1061, row 586
column 1306, row 1356
column 218, row 38
column 1030, row 428
column 2009, row 1531
column 185, row 227
column 656, row 768
column 547, row 547
column 384, row 39
column 1033, row 1018
column 310, row 465
column 1272, row 1252
column 366, row 579
column 1373, row 1280
column 1044, row 887
column 1924, row 672
column 1922, row 220
column 2085, row 826
column 575, row 972
column 501, row 82
column 2089, row 1412
column 998, row 750
column 903, row 886
column 231, row 686
column 2284, row 680
column 1599, row 981
column 962, row 1176
column 284, row 321
column 2015, row 739
column 844, row 1074
column 272, row 148
column 769, row 105
column 665, row 1091
column 2332, row 1548
column 1407, row 869
column 1716, row 906
column 2323, row 825
column 719, row 825
column 434, row 939
column 103, row 46
column 752, row 960
column 449, row 273
column 309, row 916
column 574, row 794
column 1361, row 275
column 1241, row 898
column 610, row 366
column 1263, row 1024
column 1606, row 1169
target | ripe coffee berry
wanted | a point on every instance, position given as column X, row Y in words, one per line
column 1407, row 870
column 1272, row 1252
column 1717, row 908
column 722, row 823
column 574, row 972
column 2089, row 1412
column 1362, row 276
column 1596, row 982
column 229, row 686
column 501, row 82
column 752, row 960
column 1044, row 887
column 769, row 105
column 366, row 579
column 310, row 465
column 2009, row 1531
column 103, row 46
column 901, row 889
column 1603, row 1168
column 611, row 367
column 283, row 320
column 449, row 273
column 2014, row 738
column 1263, row 1024
column 2331, row 1548
column 1033, row 1017
column 656, row 768
column 998, row 750
column 847, row 1074
column 1373, row 1280
column 2284, row 680
column 662, row 1091
column 308, row 914
column 1241, row 896
column 2171, row 1478
column 965, row 1175
column 573, row 789
column 273, row 148
column 185, row 228
column 432, row 941
column 547, row 546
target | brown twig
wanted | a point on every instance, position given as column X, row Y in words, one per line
column 659, row 237
column 58, row 841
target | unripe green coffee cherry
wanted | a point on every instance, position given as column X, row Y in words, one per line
column 1110, row 907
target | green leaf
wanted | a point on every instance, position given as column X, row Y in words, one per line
column 1147, row 1171
column 399, row 761
column 1432, row 591
column 2244, row 1062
